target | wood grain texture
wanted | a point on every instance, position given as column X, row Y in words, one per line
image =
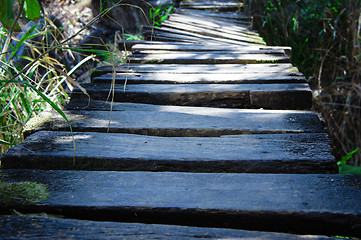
column 274, row 96
column 175, row 121
column 208, row 47
column 204, row 32
column 14, row 227
column 200, row 78
column 207, row 58
column 317, row 204
column 258, row 153
column 197, row 68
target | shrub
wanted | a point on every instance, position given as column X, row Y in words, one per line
column 325, row 39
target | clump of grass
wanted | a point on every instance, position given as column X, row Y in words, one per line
column 32, row 78
column 160, row 14
column 325, row 40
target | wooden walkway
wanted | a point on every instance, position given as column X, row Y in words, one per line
column 209, row 135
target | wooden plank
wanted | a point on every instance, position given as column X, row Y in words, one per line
column 271, row 96
column 213, row 32
column 219, row 33
column 220, row 15
column 175, row 121
column 304, row 204
column 208, row 47
column 166, row 37
column 196, row 68
column 22, row 227
column 214, row 19
column 214, row 51
column 222, row 7
column 201, row 35
column 208, row 78
column 210, row 24
column 239, row 25
column 257, row 153
column 208, row 58
column 126, row 45
column 159, row 33
column 247, row 24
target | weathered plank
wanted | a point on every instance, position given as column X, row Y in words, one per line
column 213, row 51
column 196, row 68
column 219, row 15
column 204, row 35
column 257, row 153
column 193, row 17
column 307, row 204
column 270, row 96
column 209, row 47
column 215, row 6
column 244, row 24
column 149, row 36
column 212, row 32
column 127, row 44
column 207, row 58
column 189, row 30
column 159, row 33
column 209, row 78
column 21, row 227
column 175, row 121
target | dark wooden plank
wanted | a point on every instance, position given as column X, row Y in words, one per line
column 22, row 227
column 174, row 121
column 196, row 68
column 210, row 78
column 307, row 204
column 271, row 96
column 257, row 153
column 208, row 58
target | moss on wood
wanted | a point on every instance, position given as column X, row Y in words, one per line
column 22, row 193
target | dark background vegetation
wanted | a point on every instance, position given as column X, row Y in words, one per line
column 325, row 39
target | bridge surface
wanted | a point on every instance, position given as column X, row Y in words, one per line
column 205, row 132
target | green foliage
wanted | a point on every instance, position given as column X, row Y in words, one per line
column 326, row 47
column 311, row 28
column 345, row 169
column 26, row 90
column 31, row 9
column 160, row 14
column 7, row 13
column 22, row 193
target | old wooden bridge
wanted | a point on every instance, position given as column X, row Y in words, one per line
column 205, row 132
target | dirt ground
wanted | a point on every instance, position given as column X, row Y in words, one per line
column 73, row 14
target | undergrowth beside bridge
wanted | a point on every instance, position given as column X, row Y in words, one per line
column 325, row 39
